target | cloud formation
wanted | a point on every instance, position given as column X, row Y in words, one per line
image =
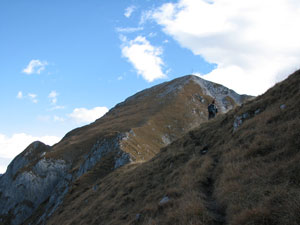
column 20, row 95
column 129, row 10
column 129, row 29
column 58, row 119
column 10, row 147
column 35, row 66
column 33, row 97
column 254, row 43
column 57, row 107
column 53, row 97
column 145, row 58
column 83, row 115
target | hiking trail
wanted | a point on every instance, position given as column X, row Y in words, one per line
column 216, row 211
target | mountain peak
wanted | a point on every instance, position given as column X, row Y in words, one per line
column 217, row 173
column 133, row 131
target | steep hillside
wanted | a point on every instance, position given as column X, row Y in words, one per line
column 241, row 168
column 133, row 131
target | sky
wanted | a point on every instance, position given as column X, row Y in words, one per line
column 64, row 63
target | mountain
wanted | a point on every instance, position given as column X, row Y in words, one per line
column 40, row 180
column 240, row 168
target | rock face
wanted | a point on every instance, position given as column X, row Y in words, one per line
column 225, row 98
column 135, row 130
column 29, row 180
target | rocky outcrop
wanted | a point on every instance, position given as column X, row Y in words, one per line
column 23, row 188
column 225, row 97
column 103, row 147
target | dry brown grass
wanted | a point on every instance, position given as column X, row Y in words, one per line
column 249, row 176
column 149, row 116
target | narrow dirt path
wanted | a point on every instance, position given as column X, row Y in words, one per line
column 218, row 214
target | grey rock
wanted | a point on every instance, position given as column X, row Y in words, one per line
column 138, row 216
column 101, row 148
column 24, row 191
column 204, row 150
column 18, row 163
column 245, row 115
column 219, row 93
column 55, row 200
column 122, row 159
column 95, row 187
column 166, row 139
column 164, row 200
column 199, row 98
column 282, row 107
column 237, row 122
column 258, row 111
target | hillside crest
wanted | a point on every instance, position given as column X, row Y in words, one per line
column 39, row 179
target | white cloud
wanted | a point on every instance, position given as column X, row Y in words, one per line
column 3, row 168
column 58, row 119
column 53, row 97
column 144, row 57
column 146, row 15
column 20, row 95
column 83, row 115
column 254, row 43
column 128, row 29
column 129, row 10
column 152, row 34
column 10, row 147
column 123, row 38
column 57, row 107
column 33, row 97
column 44, row 118
column 35, row 66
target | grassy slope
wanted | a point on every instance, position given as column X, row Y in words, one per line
column 248, row 176
column 148, row 115
column 136, row 113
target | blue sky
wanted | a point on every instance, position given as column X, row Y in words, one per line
column 65, row 63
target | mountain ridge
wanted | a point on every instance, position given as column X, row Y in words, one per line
column 222, row 172
column 133, row 131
